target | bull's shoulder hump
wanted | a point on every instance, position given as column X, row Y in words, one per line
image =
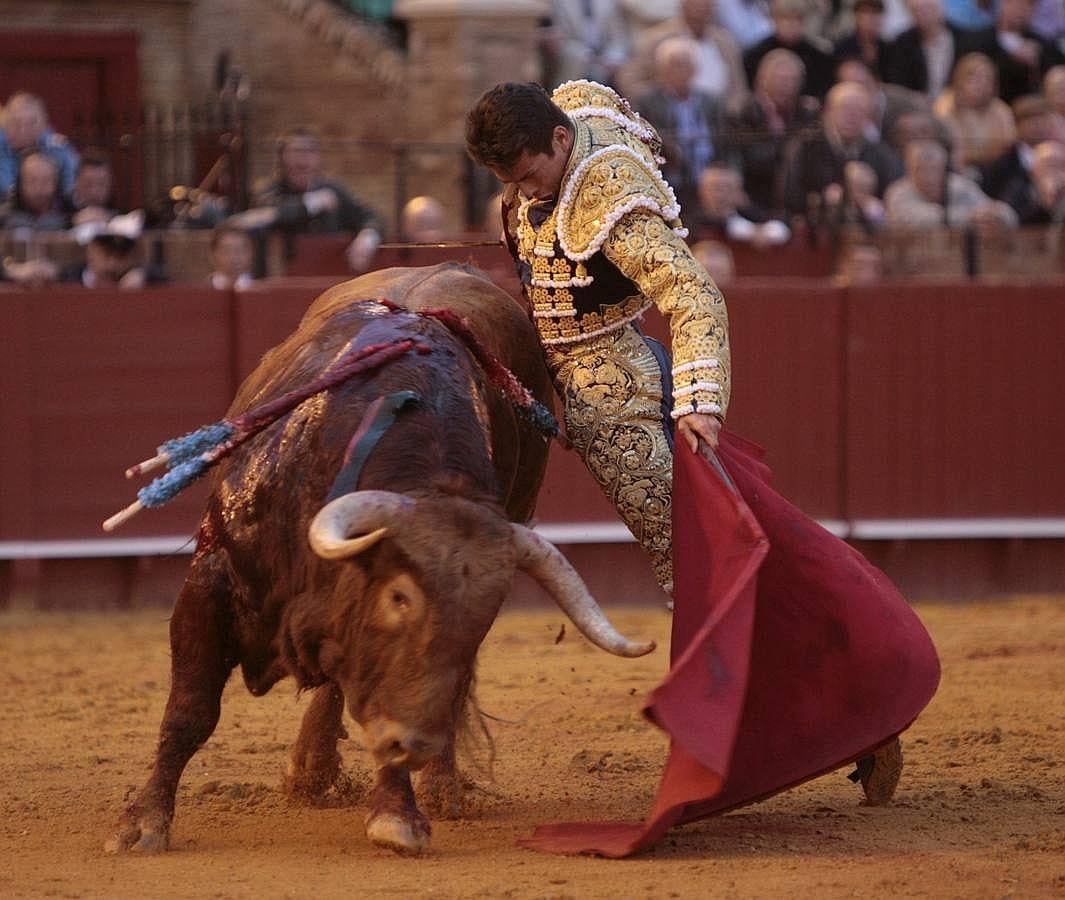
column 465, row 290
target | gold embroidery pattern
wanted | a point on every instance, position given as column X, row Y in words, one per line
column 618, row 179
column 648, row 252
column 612, row 391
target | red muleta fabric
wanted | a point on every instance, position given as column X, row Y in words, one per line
column 791, row 655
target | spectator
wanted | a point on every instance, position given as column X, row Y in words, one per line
column 896, row 19
column 1048, row 21
column 717, row 259
column 1048, row 180
column 114, row 256
column 232, row 258
column 922, row 57
column 981, row 125
column 970, row 15
column 930, row 197
column 32, row 273
column 422, row 221
column 1054, row 91
column 856, row 202
column 788, row 34
column 1009, row 178
column 865, row 42
column 26, row 130
column 586, row 39
column 817, row 162
column 859, row 265
column 888, row 101
column 912, row 126
column 306, row 202
column 640, row 16
column 36, row 203
column 1020, row 56
column 90, row 198
column 722, row 213
column 718, row 67
column 759, row 132
column 688, row 120
column 746, row 20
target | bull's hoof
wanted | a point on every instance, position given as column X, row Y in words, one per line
column 143, row 834
column 443, row 795
column 308, row 781
column 402, row 835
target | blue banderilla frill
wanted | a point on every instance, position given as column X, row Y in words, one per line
column 188, row 457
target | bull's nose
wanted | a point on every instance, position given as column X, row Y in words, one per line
column 395, row 744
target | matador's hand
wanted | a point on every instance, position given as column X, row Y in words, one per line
column 694, row 426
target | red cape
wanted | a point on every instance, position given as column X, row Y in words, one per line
column 791, row 654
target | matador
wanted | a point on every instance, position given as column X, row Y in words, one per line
column 835, row 664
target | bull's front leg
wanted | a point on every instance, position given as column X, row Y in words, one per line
column 394, row 820
column 201, row 660
column 442, row 788
column 315, row 764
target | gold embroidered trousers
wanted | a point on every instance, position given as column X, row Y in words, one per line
column 611, row 388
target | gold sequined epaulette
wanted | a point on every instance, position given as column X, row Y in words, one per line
column 606, row 185
column 584, row 100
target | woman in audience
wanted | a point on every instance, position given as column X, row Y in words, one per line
column 37, row 203
column 981, row 124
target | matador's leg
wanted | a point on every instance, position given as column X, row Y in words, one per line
column 611, row 388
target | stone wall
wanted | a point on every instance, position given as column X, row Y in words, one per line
column 311, row 65
column 161, row 25
column 302, row 74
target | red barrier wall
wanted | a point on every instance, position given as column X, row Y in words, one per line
column 953, row 401
column 917, row 401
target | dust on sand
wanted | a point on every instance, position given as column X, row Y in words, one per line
column 980, row 811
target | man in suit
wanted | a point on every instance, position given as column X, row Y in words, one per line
column 1020, row 55
column 788, row 16
column 814, row 178
column 688, row 120
column 922, row 57
column 718, row 66
column 1009, row 178
column 586, row 39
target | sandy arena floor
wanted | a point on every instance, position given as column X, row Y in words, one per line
column 980, row 812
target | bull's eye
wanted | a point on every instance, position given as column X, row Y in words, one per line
column 401, row 602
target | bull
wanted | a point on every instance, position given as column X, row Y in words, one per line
column 373, row 581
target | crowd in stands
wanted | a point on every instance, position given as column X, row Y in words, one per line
column 820, row 112
column 775, row 115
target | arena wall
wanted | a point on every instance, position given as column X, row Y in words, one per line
column 919, row 420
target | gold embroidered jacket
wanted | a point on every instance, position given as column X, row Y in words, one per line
column 613, row 244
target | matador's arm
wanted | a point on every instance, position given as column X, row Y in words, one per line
column 648, row 252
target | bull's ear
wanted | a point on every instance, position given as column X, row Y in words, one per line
column 330, row 656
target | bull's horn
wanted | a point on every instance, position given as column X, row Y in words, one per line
column 365, row 514
column 543, row 561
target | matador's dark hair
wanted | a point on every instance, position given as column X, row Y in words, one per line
column 511, row 119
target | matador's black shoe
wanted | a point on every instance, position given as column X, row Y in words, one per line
column 880, row 773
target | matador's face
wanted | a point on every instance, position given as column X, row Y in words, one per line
column 539, row 175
